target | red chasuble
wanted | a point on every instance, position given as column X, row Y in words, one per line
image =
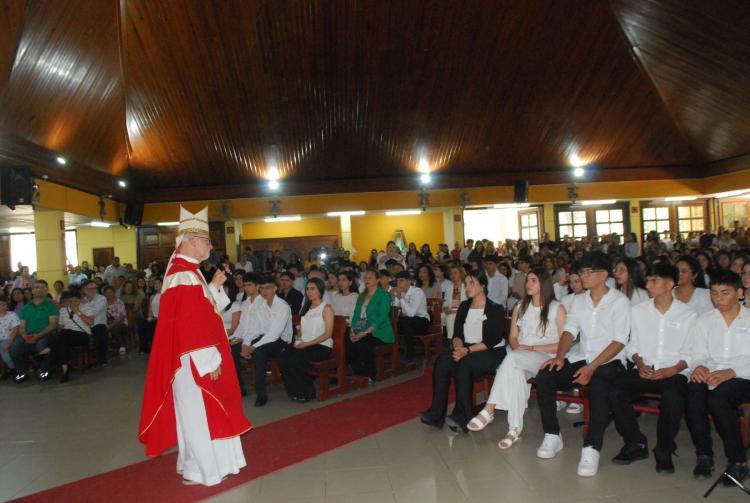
column 188, row 321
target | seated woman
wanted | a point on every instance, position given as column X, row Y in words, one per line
column 312, row 343
column 9, row 323
column 75, row 330
column 371, row 326
column 534, row 333
column 344, row 303
column 427, row 282
column 454, row 296
column 477, row 348
column 117, row 318
column 630, row 281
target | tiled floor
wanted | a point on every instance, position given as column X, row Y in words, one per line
column 52, row 434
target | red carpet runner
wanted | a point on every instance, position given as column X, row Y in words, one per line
column 268, row 448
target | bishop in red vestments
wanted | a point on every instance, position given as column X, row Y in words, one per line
column 192, row 397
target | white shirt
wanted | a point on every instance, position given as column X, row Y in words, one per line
column 530, row 326
column 561, row 290
column 464, row 255
column 719, row 347
column 74, row 323
column 497, row 288
column 639, row 295
column 299, row 284
column 413, row 303
column 598, row 326
column 248, row 319
column 97, row 308
column 247, row 266
column 700, row 302
column 329, row 295
column 661, row 340
column 154, row 302
column 7, row 324
column 473, row 326
column 273, row 322
column 227, row 314
column 313, row 325
column 343, row 305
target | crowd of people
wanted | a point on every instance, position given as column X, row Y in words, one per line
column 622, row 318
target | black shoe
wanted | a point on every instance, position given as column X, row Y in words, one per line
column 44, row 375
column 65, row 377
column 455, row 426
column 704, row 467
column 738, row 471
column 20, row 378
column 261, row 400
column 663, row 461
column 426, row 419
column 630, row 453
column 243, row 392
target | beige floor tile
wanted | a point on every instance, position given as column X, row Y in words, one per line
column 419, row 471
column 299, row 485
column 384, row 496
column 440, row 493
column 357, row 480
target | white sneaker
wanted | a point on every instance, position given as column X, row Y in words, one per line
column 589, row 464
column 123, row 350
column 574, row 408
column 560, row 405
column 551, row 445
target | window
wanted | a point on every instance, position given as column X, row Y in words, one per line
column 690, row 218
column 572, row 224
column 609, row 221
column 71, row 248
column 23, row 249
column 735, row 211
column 655, row 219
column 529, row 224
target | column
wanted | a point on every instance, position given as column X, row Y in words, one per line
column 548, row 214
column 231, row 237
column 49, row 232
column 345, row 227
column 635, row 219
column 458, row 229
column 449, row 231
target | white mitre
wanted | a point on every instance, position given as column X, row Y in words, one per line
column 192, row 223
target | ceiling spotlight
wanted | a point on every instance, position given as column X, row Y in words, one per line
column 579, row 172
column 273, row 184
column 425, row 178
column 122, row 183
column 576, row 161
column 61, row 161
column 424, row 166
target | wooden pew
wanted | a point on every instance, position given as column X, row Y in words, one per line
column 335, row 366
column 388, row 352
column 432, row 341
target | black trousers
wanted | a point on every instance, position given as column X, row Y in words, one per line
column 410, row 327
column 261, row 356
column 295, row 364
column 361, row 356
column 722, row 403
column 549, row 381
column 236, row 349
column 148, row 339
column 100, row 334
column 628, row 387
column 66, row 340
column 463, row 373
column 20, row 350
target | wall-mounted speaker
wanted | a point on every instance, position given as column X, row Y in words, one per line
column 15, row 186
column 521, row 192
column 133, row 214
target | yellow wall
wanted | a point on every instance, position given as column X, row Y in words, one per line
column 123, row 240
column 374, row 231
column 50, row 245
column 322, row 226
column 57, row 197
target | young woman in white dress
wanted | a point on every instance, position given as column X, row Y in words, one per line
column 534, row 335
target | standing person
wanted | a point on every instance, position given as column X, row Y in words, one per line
column 660, row 344
column 602, row 318
column 153, row 314
column 95, row 306
column 36, row 333
column 114, row 270
column 191, row 395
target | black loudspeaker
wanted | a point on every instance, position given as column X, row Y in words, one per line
column 15, row 187
column 521, row 192
column 133, row 214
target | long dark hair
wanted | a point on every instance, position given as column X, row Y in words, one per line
column 430, row 274
column 546, row 296
column 635, row 277
column 352, row 279
column 695, row 267
column 13, row 304
column 321, row 286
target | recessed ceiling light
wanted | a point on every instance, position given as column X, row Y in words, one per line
column 97, row 223
column 61, row 161
column 122, row 183
column 396, row 213
column 576, row 161
column 579, row 172
column 425, row 178
column 597, row 202
column 286, row 218
column 273, row 184
column 424, row 166
column 345, row 213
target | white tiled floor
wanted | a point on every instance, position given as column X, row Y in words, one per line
column 51, row 434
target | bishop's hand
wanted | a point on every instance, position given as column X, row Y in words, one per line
column 220, row 276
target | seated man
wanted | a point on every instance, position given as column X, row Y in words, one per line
column 660, row 344
column 251, row 283
column 602, row 318
column 720, row 381
column 37, row 332
column 268, row 337
column 414, row 319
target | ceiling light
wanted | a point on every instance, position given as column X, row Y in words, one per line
column 509, row 206
column 122, row 183
column 579, row 172
column 396, row 213
column 425, row 178
column 680, row 199
column 288, row 218
column 576, row 161
column 345, row 213
column 323, row 256
column 15, row 230
column 598, row 202
column 97, row 223
column 424, row 166
column 273, row 184
column 167, row 224
column 61, row 161
column 731, row 193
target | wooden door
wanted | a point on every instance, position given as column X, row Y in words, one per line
column 6, row 268
column 103, row 256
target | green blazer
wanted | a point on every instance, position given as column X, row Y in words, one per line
column 378, row 314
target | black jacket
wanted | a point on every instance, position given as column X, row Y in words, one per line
column 294, row 298
column 493, row 327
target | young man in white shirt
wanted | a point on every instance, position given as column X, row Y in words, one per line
column 601, row 319
column 414, row 319
column 720, row 379
column 660, row 344
column 497, row 283
column 268, row 336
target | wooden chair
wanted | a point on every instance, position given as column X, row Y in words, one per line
column 132, row 335
column 432, row 341
column 336, row 366
column 83, row 357
column 389, row 351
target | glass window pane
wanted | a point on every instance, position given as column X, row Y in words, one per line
column 602, row 216
column 579, row 217
column 698, row 224
column 525, row 233
column 697, row 211
column 602, row 229
column 649, row 226
column 534, row 232
column 532, row 219
column 662, row 213
column 618, row 228
column 684, row 225
column 564, row 217
column 615, row 215
column 649, row 213
column 524, row 221
column 662, row 225
column 580, row 230
column 566, row 230
column 683, row 211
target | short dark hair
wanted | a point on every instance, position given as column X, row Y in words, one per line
column 384, row 273
column 727, row 278
column 267, row 279
column 392, row 261
column 596, row 260
column 67, row 295
column 403, row 275
column 253, row 277
column 287, row 274
column 663, row 270
column 44, row 282
column 492, row 258
column 4, row 299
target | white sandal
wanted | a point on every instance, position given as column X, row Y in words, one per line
column 513, row 436
column 476, row 424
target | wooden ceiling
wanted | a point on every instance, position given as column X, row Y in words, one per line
column 198, row 99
